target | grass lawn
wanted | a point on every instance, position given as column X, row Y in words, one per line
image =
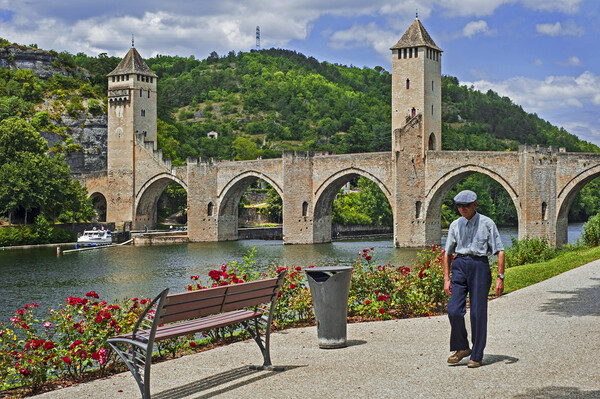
column 525, row 275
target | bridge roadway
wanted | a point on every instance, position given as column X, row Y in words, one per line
column 542, row 343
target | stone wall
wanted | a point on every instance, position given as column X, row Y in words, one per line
column 38, row 61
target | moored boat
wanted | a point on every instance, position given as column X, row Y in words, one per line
column 94, row 238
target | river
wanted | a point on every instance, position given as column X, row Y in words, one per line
column 143, row 271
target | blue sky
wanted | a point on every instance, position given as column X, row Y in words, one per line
column 543, row 54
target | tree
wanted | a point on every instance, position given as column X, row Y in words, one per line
column 244, row 149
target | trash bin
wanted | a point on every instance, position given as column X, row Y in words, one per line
column 329, row 287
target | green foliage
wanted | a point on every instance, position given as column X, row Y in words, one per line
column 244, row 149
column 368, row 206
column 591, row 231
column 274, row 209
column 529, row 250
column 95, row 107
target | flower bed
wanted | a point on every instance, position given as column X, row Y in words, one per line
column 71, row 342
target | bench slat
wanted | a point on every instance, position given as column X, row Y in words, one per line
column 234, row 303
column 206, row 323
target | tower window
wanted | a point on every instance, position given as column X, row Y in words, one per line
column 305, row 208
column 148, row 93
column 113, row 78
column 544, row 211
column 431, row 109
column 417, row 52
column 407, row 84
column 413, row 112
column 410, row 52
column 151, row 79
column 431, row 144
column 143, row 112
column 418, row 210
column 405, row 52
column 138, row 78
column 432, row 85
column 209, row 211
column 140, row 92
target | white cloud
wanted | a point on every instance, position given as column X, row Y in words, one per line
column 364, row 35
column 558, row 29
column 538, row 63
column 477, row 27
column 572, row 61
column 552, row 93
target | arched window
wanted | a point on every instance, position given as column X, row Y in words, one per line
column 544, row 211
column 305, row 208
column 407, row 84
column 431, row 144
column 209, row 211
column 143, row 112
column 413, row 112
column 418, row 210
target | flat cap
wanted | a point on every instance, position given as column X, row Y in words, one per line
column 465, row 197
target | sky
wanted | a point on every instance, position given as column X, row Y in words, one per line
column 543, row 54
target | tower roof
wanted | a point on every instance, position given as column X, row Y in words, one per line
column 415, row 36
column 132, row 63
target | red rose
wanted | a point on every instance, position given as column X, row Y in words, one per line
column 95, row 356
column 368, row 258
column 48, row 345
column 292, row 286
column 98, row 319
column 24, row 372
column 92, row 294
column 367, row 302
column 192, row 344
column 67, row 360
column 298, row 268
column 381, row 310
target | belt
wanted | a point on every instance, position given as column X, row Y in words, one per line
column 471, row 256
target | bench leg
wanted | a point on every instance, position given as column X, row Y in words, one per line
column 254, row 328
column 136, row 359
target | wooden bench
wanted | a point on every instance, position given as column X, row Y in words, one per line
column 251, row 303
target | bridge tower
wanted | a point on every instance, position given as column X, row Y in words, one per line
column 416, row 84
column 131, row 113
column 416, row 129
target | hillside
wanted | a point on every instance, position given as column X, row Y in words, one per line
column 259, row 103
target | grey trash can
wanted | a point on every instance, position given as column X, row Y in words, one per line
column 329, row 287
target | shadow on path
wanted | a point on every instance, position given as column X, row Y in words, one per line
column 558, row 393
column 216, row 380
column 582, row 302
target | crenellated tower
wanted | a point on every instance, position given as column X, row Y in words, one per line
column 416, row 85
column 131, row 113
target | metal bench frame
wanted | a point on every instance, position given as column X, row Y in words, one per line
column 195, row 311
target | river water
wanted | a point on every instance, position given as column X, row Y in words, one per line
column 143, row 271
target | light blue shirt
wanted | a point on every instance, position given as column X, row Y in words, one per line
column 478, row 237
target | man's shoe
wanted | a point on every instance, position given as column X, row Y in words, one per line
column 458, row 356
column 473, row 364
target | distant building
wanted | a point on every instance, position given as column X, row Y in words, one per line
column 212, row 135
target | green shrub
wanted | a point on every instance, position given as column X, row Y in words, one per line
column 94, row 107
column 591, row 231
column 529, row 250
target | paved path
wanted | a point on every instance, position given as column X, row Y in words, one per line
column 544, row 342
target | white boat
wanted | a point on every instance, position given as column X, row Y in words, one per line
column 94, row 237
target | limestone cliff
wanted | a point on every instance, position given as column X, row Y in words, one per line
column 44, row 64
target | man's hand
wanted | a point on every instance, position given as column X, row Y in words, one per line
column 447, row 287
column 499, row 288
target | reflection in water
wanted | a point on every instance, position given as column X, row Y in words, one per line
column 120, row 272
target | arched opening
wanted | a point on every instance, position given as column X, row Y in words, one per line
column 161, row 204
column 418, row 206
column 413, row 112
column 494, row 200
column 362, row 208
column 431, row 144
column 210, row 210
column 407, row 84
column 99, row 205
column 544, row 211
column 305, row 209
column 578, row 203
column 250, row 202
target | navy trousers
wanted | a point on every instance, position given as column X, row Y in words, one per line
column 472, row 276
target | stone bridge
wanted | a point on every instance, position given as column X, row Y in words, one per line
column 541, row 181
column 415, row 176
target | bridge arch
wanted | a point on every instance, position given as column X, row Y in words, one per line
column 146, row 199
column 326, row 193
column 440, row 189
column 229, row 198
column 565, row 199
column 99, row 204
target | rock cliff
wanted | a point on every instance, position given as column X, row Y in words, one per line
column 42, row 63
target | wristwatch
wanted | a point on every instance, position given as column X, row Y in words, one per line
column 501, row 276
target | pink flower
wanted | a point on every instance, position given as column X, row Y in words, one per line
column 47, row 324
column 24, row 372
column 223, row 267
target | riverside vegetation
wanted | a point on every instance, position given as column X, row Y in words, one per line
column 69, row 345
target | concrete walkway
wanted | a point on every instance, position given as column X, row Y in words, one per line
column 543, row 342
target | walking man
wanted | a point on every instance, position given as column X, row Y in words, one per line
column 473, row 237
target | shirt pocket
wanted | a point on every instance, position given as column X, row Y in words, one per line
column 480, row 243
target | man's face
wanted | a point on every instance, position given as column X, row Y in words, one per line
column 467, row 210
